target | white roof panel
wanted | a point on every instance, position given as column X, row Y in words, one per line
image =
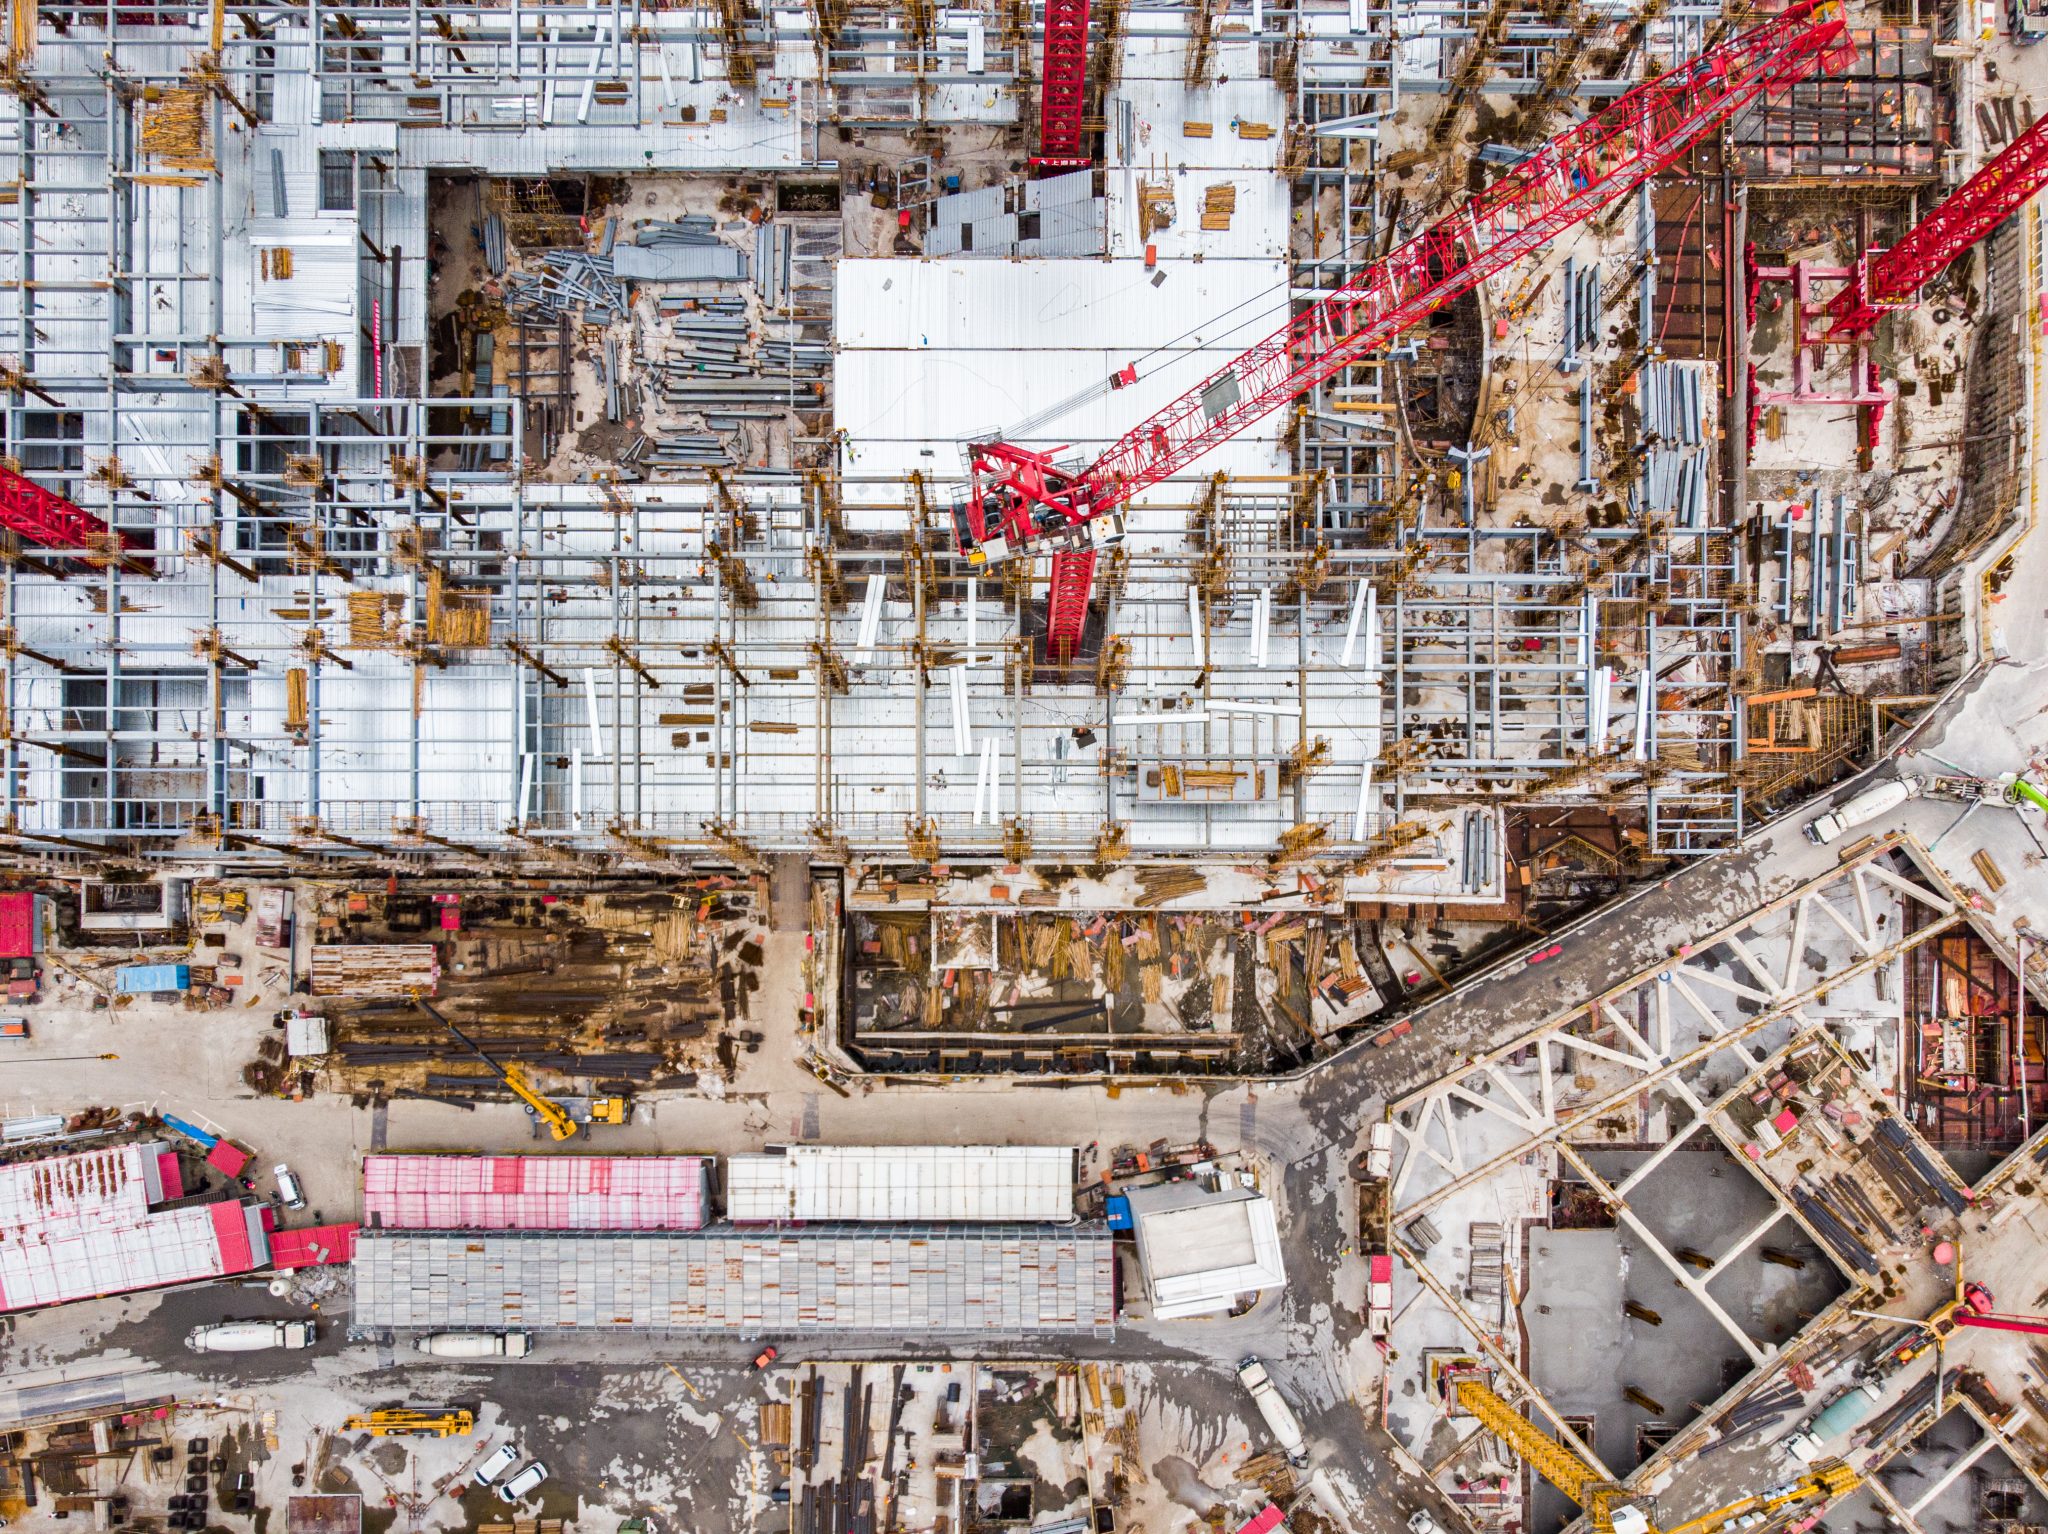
column 919, row 1184
column 1201, row 1250
column 933, row 353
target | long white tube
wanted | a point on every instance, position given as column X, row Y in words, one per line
column 1351, row 627
column 963, row 740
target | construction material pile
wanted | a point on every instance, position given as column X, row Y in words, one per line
column 560, row 281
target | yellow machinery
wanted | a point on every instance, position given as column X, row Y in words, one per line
column 549, row 1112
column 1608, row 1506
column 610, row 1110
column 413, row 1424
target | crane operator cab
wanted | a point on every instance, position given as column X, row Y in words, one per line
column 1023, row 502
column 982, row 529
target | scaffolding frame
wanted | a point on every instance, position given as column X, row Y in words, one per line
column 355, row 627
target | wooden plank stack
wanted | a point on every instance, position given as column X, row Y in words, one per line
column 375, row 969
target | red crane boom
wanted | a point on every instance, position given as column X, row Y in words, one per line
column 47, row 518
column 1023, row 503
column 2038, row 1325
column 1973, row 210
column 1063, row 93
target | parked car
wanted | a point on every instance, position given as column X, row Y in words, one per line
column 288, row 1187
column 524, row 1484
column 503, row 1458
column 766, row 1357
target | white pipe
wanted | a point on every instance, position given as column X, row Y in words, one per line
column 1364, row 801
column 1646, row 687
column 597, row 750
column 973, row 596
column 1599, row 704
column 1280, row 710
column 1262, row 627
column 1372, row 631
column 1195, row 628
column 1155, row 718
column 1351, row 627
column 963, row 742
column 870, row 618
column 526, row 760
column 985, row 783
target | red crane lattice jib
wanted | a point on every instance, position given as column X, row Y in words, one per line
column 1063, row 92
column 1066, row 604
column 47, row 518
column 1589, row 166
column 1892, row 280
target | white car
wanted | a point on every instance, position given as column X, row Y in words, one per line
column 288, row 1187
column 523, row 1485
column 503, row 1458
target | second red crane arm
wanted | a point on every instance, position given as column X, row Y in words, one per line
column 1963, row 218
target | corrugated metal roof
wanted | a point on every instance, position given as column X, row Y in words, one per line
column 678, row 263
column 76, row 1226
column 963, row 1280
column 915, row 1183
column 1058, row 217
column 534, row 1192
column 934, row 352
column 18, row 931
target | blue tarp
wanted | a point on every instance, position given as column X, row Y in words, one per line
column 191, row 1131
column 138, row 979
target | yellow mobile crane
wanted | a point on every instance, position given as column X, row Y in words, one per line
column 549, row 1112
column 412, row 1424
column 1608, row 1506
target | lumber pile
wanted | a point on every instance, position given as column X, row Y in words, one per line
column 1159, row 884
column 174, row 130
column 374, row 969
column 1218, row 203
column 373, row 619
column 456, row 619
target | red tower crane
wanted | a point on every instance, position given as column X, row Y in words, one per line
column 1024, row 503
column 47, row 518
column 1892, row 280
column 1063, row 92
